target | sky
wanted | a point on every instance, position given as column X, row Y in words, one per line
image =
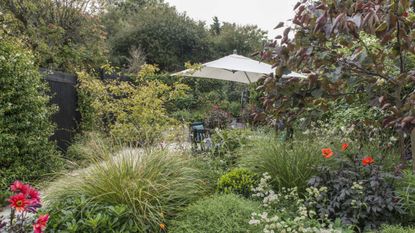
column 264, row 13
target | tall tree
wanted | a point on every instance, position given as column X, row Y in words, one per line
column 215, row 27
column 349, row 49
column 167, row 37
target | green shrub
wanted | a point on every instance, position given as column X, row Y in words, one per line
column 227, row 142
column 289, row 164
column 217, row 118
column 217, row 214
column 397, row 229
column 286, row 211
column 154, row 185
column 238, row 181
column 358, row 192
column 25, row 118
column 78, row 214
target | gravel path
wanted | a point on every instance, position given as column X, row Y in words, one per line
column 5, row 212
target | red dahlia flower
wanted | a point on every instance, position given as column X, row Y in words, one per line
column 367, row 160
column 40, row 223
column 18, row 186
column 18, row 202
column 344, row 146
column 33, row 195
column 327, row 152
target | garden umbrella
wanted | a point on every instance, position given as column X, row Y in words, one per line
column 234, row 68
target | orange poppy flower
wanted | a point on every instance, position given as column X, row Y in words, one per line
column 344, row 146
column 367, row 160
column 327, row 152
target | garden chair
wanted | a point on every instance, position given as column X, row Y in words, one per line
column 199, row 136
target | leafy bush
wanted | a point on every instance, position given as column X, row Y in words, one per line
column 238, row 181
column 397, row 229
column 217, row 118
column 289, row 164
column 153, row 185
column 78, row 214
column 25, row 118
column 217, row 214
column 285, row 211
column 133, row 112
column 227, row 141
column 357, row 191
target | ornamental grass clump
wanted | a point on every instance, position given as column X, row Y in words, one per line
column 150, row 185
column 289, row 164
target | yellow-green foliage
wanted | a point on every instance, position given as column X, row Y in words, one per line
column 130, row 111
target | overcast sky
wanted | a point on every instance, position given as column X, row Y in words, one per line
column 264, row 13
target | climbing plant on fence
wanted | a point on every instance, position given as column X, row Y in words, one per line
column 350, row 50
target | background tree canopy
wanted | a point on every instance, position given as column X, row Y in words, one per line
column 169, row 38
column 64, row 35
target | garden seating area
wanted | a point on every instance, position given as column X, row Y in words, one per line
column 322, row 138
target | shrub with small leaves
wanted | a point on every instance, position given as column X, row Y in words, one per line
column 357, row 191
column 239, row 181
column 217, row 214
column 78, row 214
column 217, row 118
column 25, row 118
column 285, row 211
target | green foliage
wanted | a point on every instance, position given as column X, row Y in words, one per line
column 406, row 191
column 349, row 54
column 78, row 214
column 217, row 118
column 217, row 214
column 130, row 112
column 290, row 164
column 244, row 39
column 359, row 195
column 64, row 35
column 167, row 37
column 25, row 118
column 87, row 147
column 152, row 185
column 397, row 229
column 170, row 38
column 239, row 181
column 285, row 211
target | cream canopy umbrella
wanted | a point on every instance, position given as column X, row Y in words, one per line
column 235, row 68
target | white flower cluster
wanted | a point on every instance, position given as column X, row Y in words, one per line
column 285, row 211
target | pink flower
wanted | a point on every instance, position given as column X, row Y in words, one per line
column 18, row 186
column 40, row 224
column 33, row 195
column 18, row 202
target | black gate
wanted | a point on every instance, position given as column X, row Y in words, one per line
column 64, row 95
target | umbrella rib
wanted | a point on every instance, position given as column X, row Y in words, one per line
column 249, row 80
